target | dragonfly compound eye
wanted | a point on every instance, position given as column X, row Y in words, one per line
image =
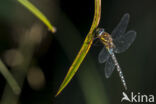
column 99, row 31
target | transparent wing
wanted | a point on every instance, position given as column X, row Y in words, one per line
column 103, row 55
column 109, row 67
column 121, row 27
column 123, row 43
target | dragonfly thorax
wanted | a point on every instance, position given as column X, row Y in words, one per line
column 106, row 39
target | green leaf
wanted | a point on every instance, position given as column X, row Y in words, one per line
column 10, row 79
column 38, row 14
column 84, row 49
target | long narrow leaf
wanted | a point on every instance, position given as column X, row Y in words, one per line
column 38, row 14
column 10, row 79
column 84, row 49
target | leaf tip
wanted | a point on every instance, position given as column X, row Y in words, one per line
column 58, row 92
column 53, row 29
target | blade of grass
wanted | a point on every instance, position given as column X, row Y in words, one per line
column 10, row 79
column 38, row 14
column 84, row 49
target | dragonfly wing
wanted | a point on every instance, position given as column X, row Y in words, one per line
column 109, row 67
column 123, row 43
column 103, row 55
column 121, row 27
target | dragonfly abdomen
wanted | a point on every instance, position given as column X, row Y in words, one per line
column 119, row 70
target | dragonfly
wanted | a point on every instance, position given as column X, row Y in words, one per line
column 116, row 42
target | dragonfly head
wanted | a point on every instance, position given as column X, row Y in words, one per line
column 99, row 32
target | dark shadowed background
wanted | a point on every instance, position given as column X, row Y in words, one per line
column 48, row 56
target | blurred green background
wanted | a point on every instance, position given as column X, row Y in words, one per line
column 39, row 60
